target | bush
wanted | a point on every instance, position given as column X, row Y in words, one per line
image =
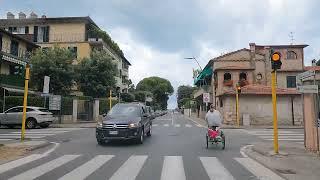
column 12, row 101
column 104, row 105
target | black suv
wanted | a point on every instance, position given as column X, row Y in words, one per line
column 125, row 121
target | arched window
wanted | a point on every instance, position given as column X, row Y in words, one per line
column 291, row 55
column 227, row 77
column 242, row 76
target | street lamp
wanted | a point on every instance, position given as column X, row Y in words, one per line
column 195, row 60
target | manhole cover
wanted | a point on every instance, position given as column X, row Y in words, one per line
column 285, row 171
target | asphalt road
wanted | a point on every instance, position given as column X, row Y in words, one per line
column 176, row 150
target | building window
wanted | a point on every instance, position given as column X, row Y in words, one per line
column 41, row 34
column 291, row 55
column 242, row 76
column 291, row 82
column 74, row 51
column 14, row 49
column 227, row 77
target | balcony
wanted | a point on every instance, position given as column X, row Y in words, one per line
column 12, row 80
column 67, row 37
column 228, row 83
column 243, row 83
column 203, row 89
column 14, row 59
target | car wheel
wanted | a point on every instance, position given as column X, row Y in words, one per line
column 150, row 131
column 44, row 125
column 31, row 123
column 100, row 142
column 141, row 137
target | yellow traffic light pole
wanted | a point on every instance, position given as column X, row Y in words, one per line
column 237, row 107
column 275, row 114
column 25, row 98
column 110, row 101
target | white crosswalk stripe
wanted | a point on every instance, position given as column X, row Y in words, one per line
column 258, row 170
column 172, row 168
column 166, row 125
column 130, row 169
column 177, row 125
column 88, row 168
column 283, row 135
column 188, row 125
column 35, row 133
column 215, row 169
column 49, row 166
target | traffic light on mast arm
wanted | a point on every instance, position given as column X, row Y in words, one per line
column 275, row 60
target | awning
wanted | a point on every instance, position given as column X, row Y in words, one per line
column 204, row 73
column 18, row 90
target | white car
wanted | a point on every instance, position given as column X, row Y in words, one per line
column 35, row 116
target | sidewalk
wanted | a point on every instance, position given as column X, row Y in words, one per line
column 293, row 162
column 75, row 125
column 15, row 149
column 225, row 126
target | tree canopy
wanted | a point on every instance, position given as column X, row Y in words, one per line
column 159, row 87
column 95, row 75
column 184, row 94
column 57, row 64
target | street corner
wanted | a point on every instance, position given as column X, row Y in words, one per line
column 16, row 149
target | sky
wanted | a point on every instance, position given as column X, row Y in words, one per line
column 156, row 36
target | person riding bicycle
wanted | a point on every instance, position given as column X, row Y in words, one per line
column 213, row 118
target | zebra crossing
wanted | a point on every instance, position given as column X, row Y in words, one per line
column 35, row 133
column 172, row 168
column 283, row 134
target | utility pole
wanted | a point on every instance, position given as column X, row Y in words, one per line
column 238, row 91
column 25, row 98
column 110, row 99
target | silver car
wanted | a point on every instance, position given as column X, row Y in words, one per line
column 35, row 116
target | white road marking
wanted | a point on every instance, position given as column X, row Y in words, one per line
column 166, row 125
column 130, row 169
column 19, row 162
column 258, row 170
column 41, row 170
column 199, row 125
column 280, row 139
column 177, row 125
column 154, row 125
column 44, row 132
column 172, row 168
column 88, row 168
column 5, row 139
column 188, row 125
column 18, row 136
column 215, row 169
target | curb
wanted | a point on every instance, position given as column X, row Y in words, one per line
column 249, row 155
column 32, row 148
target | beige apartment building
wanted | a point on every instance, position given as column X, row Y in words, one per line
column 251, row 68
column 75, row 33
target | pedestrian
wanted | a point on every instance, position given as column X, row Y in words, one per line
column 213, row 118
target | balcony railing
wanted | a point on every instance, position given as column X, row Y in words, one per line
column 12, row 80
column 67, row 37
column 228, row 83
column 14, row 59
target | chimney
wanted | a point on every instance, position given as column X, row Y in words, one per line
column 10, row 15
column 22, row 15
column 314, row 62
column 33, row 15
column 252, row 47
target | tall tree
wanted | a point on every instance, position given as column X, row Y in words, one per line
column 57, row 64
column 95, row 75
column 160, row 89
column 184, row 93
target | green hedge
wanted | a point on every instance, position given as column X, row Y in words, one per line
column 104, row 105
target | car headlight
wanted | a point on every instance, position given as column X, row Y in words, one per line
column 133, row 125
column 99, row 125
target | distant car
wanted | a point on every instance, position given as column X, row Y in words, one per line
column 35, row 116
column 125, row 121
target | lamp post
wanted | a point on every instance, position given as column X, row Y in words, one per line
column 195, row 60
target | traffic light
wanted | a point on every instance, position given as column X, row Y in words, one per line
column 276, row 60
column 238, row 89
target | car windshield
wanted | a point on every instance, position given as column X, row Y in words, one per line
column 125, row 110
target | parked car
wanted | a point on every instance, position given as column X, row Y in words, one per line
column 35, row 116
column 125, row 121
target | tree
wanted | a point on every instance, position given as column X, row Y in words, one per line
column 141, row 95
column 160, row 89
column 57, row 64
column 184, row 92
column 96, row 74
column 127, row 97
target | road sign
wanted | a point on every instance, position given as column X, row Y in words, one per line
column 206, row 97
column 55, row 102
column 46, row 83
column 308, row 89
column 306, row 74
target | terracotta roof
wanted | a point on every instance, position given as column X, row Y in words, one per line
column 314, row 68
column 283, row 46
column 263, row 90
